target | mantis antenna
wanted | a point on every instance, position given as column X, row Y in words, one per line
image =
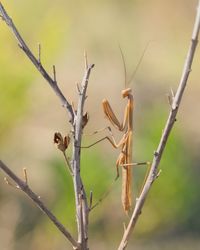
column 137, row 65
column 124, row 66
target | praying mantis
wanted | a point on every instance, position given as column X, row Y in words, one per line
column 124, row 159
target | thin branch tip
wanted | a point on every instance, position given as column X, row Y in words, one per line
column 172, row 92
column 78, row 88
column 124, row 226
column 54, row 74
column 10, row 183
column 86, row 59
column 91, row 66
column 159, row 172
column 169, row 99
column 25, row 175
column 91, row 200
column 39, row 53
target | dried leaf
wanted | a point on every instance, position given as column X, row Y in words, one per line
column 66, row 141
column 62, row 143
column 85, row 119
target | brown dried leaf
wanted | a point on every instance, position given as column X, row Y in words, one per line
column 85, row 119
column 66, row 141
column 62, row 143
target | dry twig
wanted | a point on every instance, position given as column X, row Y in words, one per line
column 82, row 209
column 153, row 173
column 23, row 185
column 77, row 119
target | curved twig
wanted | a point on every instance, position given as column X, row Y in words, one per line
column 166, row 132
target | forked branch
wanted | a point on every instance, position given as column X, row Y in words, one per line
column 82, row 208
column 78, row 120
column 153, row 173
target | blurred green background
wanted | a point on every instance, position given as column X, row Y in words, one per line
column 31, row 113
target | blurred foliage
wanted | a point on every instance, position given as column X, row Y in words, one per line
column 29, row 117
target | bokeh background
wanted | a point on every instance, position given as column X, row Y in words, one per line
column 31, row 113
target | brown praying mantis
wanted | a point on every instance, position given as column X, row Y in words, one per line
column 124, row 159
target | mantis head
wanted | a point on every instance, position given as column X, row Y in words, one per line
column 126, row 92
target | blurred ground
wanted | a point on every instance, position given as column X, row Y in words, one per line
column 31, row 113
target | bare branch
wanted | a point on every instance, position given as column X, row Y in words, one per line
column 36, row 62
column 82, row 209
column 26, row 189
column 76, row 119
column 153, row 173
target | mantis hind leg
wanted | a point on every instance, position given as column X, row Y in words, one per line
column 133, row 164
column 147, row 163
